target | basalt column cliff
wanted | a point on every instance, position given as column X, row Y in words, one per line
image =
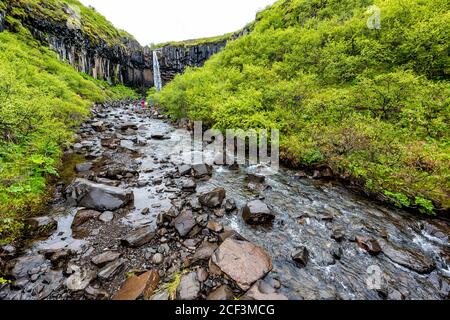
column 118, row 58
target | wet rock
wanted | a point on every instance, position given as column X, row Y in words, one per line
column 230, row 233
column 189, row 287
column 83, row 167
column 159, row 136
column 242, row 261
column 188, row 185
column 185, row 169
column 95, row 196
column 106, row 216
column 110, row 269
column 213, row 198
column 255, row 178
column 410, row 258
column 80, row 279
column 41, row 225
column 158, row 258
column 83, row 216
column 184, row 223
column 301, row 257
column 221, row 293
column 98, row 126
column 105, row 257
column 128, row 125
column 96, row 294
column 214, row 226
column 201, row 170
column 338, row 234
column 58, row 257
column 370, row 245
column 219, row 212
column 195, row 204
column 323, row 173
column 138, row 237
column 204, row 252
column 136, row 286
column 336, row 252
column 257, row 212
column 262, row 291
column 229, row 205
column 21, row 266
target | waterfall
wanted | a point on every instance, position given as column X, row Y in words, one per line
column 156, row 72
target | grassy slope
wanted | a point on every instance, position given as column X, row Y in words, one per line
column 41, row 102
column 371, row 104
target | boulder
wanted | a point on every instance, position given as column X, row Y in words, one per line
column 184, row 222
column 95, row 196
column 41, row 225
column 242, row 261
column 257, row 212
column 189, row 287
column 213, row 198
column 80, row 279
column 84, row 216
column 105, row 257
column 214, row 226
column 370, row 245
column 229, row 205
column 410, row 258
column 83, row 167
column 185, row 169
column 110, row 269
column 138, row 237
column 201, row 170
column 135, row 286
column 21, row 266
column 301, row 256
column 204, row 252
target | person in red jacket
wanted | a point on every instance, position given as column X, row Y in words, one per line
column 143, row 103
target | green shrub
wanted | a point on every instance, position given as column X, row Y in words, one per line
column 371, row 104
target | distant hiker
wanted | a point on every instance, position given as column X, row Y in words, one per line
column 143, row 103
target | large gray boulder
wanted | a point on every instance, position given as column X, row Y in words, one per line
column 242, row 261
column 90, row 195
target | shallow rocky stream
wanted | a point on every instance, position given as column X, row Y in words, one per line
column 129, row 217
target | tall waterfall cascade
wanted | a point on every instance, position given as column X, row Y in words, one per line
column 156, row 72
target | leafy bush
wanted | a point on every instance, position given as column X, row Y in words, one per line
column 372, row 104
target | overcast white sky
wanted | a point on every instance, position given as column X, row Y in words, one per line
column 156, row 21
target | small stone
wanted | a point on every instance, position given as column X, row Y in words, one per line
column 138, row 237
column 110, row 269
column 106, row 216
column 257, row 212
column 158, row 258
column 83, row 167
column 301, row 256
column 189, row 287
column 213, row 198
column 104, row 258
column 215, row 226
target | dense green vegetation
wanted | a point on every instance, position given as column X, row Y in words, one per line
column 41, row 102
column 373, row 104
column 93, row 24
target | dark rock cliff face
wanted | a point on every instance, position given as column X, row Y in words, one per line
column 175, row 59
column 127, row 63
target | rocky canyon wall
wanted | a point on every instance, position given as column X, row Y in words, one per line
column 125, row 62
